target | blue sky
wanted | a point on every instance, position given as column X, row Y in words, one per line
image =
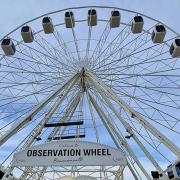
column 16, row 12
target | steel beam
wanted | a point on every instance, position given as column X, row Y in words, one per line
column 99, row 85
column 115, row 135
column 35, row 110
column 130, row 131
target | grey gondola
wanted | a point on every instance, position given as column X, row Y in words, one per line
column 173, row 171
column 137, row 24
column 47, row 25
column 27, row 34
column 175, row 48
column 69, row 19
column 158, row 34
column 8, row 47
column 92, row 17
column 115, row 19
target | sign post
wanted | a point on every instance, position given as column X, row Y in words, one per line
column 69, row 153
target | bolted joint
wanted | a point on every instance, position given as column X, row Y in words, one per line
column 124, row 143
column 82, row 81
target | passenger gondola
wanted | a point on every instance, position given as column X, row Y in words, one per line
column 137, row 24
column 175, row 48
column 8, row 47
column 92, row 17
column 27, row 34
column 69, row 19
column 47, row 25
column 115, row 19
column 158, row 34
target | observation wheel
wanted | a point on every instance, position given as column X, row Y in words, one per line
column 98, row 74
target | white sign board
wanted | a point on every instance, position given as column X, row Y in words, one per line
column 69, row 153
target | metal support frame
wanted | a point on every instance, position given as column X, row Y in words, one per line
column 72, row 123
column 35, row 110
column 116, row 136
column 98, row 84
column 40, row 126
column 130, row 131
column 93, row 121
column 69, row 112
column 119, row 174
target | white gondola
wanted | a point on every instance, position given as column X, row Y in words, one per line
column 158, row 34
column 47, row 25
column 92, row 17
column 8, row 47
column 137, row 24
column 173, row 171
column 115, row 19
column 175, row 48
column 27, row 34
column 69, row 19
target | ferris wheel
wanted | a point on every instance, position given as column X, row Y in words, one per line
column 96, row 74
